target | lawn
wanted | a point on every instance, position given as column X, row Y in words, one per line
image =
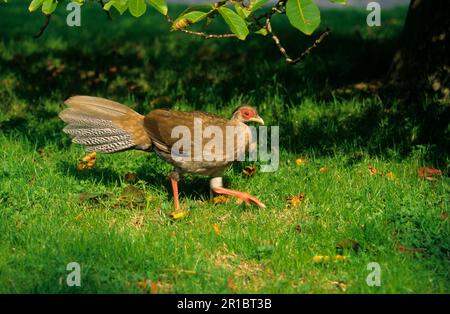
column 114, row 219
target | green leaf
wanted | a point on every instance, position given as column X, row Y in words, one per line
column 120, row 6
column 137, row 7
column 257, row 4
column 49, row 6
column 235, row 22
column 262, row 31
column 303, row 15
column 34, row 5
column 243, row 12
column 192, row 17
column 160, row 5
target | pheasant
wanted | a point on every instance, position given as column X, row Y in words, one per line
column 106, row 126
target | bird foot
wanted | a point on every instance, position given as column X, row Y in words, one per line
column 242, row 196
column 249, row 199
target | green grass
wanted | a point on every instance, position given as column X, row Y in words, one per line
column 46, row 221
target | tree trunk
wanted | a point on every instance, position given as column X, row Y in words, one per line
column 421, row 66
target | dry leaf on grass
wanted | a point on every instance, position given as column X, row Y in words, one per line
column 327, row 258
column 340, row 258
column 340, row 285
column 216, row 228
column 296, row 200
column 249, row 171
column 300, row 161
column 323, row 170
column 179, row 214
column 221, row 199
column 372, row 170
column 390, row 175
column 231, row 284
column 428, row 173
column 154, row 287
column 318, row 258
column 87, row 162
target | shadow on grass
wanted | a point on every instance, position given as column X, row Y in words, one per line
column 193, row 187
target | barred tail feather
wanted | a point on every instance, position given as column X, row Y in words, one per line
column 103, row 125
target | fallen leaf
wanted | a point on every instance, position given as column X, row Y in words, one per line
column 142, row 284
column 231, row 284
column 87, row 162
column 372, row 170
column 154, row 288
column 444, row 216
column 390, row 175
column 221, row 199
column 323, row 170
column 300, row 161
column 216, row 228
column 428, row 173
column 296, row 200
column 340, row 285
column 340, row 258
column 178, row 214
column 249, row 171
column 317, row 259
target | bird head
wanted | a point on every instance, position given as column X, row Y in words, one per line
column 246, row 114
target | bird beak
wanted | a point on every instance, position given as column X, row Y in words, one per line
column 257, row 119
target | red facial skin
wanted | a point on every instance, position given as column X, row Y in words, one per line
column 247, row 113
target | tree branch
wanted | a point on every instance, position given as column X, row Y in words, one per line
column 201, row 34
column 283, row 50
column 43, row 27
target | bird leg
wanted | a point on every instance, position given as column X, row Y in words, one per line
column 216, row 186
column 174, row 177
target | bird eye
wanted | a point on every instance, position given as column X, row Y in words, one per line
column 246, row 113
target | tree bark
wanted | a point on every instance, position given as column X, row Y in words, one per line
column 421, row 65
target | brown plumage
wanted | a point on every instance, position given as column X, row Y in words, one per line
column 106, row 126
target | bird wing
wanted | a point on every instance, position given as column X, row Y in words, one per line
column 160, row 124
